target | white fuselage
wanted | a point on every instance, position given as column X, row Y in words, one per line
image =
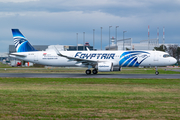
column 118, row 58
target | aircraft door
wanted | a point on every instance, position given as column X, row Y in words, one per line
column 36, row 57
column 155, row 56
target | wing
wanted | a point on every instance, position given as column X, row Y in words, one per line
column 79, row 60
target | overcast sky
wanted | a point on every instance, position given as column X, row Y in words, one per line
column 52, row 22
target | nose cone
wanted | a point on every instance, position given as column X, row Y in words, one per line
column 173, row 61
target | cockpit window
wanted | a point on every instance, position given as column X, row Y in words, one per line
column 166, row 55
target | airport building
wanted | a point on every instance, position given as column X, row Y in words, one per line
column 69, row 48
column 4, row 57
column 127, row 44
column 59, row 47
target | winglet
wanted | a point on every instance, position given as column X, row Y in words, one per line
column 57, row 52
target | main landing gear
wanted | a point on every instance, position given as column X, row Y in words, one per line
column 94, row 71
column 157, row 73
column 88, row 72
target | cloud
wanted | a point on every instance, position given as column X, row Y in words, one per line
column 16, row 1
column 122, row 7
column 58, row 21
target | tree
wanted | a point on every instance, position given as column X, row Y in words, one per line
column 178, row 53
column 160, row 48
column 172, row 50
column 127, row 49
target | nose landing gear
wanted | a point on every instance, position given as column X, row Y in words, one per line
column 157, row 73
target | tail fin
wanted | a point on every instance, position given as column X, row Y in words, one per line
column 21, row 43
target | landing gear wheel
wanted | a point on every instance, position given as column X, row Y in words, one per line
column 157, row 73
column 95, row 71
column 88, row 72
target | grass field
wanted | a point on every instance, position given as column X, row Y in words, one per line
column 85, row 98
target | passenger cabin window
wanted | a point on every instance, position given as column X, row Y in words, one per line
column 166, row 55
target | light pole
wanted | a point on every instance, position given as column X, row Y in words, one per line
column 109, row 36
column 116, row 36
column 163, row 37
column 93, row 38
column 83, row 41
column 77, row 42
column 101, row 38
column 123, row 38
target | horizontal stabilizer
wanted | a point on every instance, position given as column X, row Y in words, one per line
column 19, row 55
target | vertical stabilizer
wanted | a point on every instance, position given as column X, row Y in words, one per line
column 21, row 43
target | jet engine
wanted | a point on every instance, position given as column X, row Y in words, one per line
column 105, row 67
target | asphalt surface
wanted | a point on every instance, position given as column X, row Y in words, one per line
column 76, row 75
column 177, row 70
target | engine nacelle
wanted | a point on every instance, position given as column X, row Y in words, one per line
column 105, row 67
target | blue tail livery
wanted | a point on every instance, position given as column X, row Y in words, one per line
column 21, row 43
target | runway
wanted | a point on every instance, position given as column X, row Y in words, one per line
column 76, row 75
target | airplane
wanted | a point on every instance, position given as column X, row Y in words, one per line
column 100, row 61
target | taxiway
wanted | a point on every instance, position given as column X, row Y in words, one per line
column 76, row 75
